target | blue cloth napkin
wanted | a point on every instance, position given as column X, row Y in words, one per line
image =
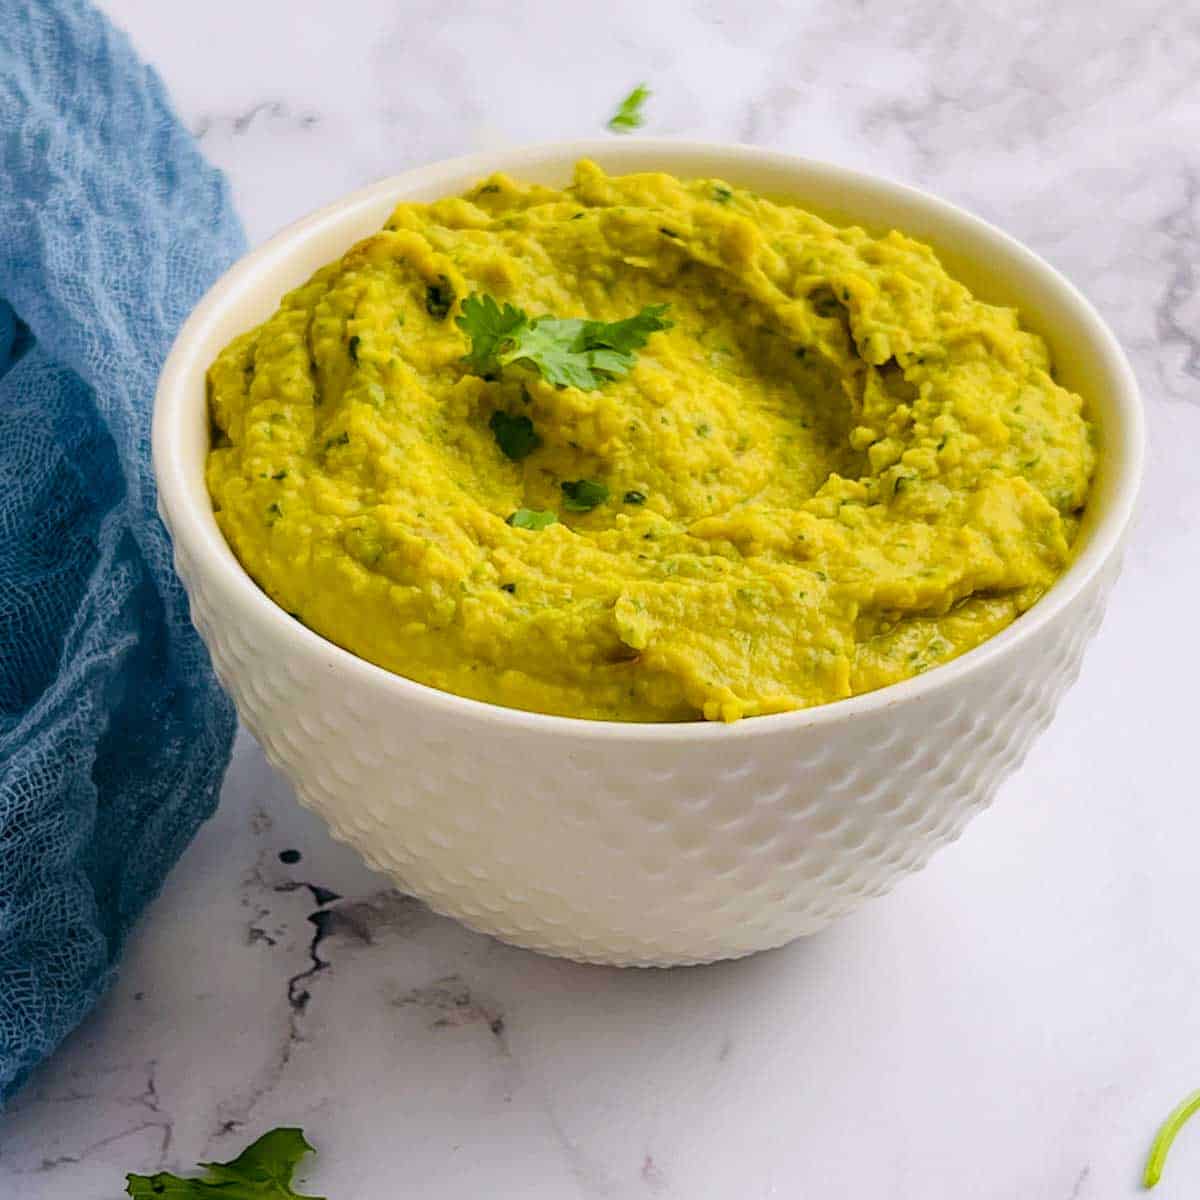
column 114, row 735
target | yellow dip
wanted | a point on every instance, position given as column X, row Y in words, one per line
column 836, row 470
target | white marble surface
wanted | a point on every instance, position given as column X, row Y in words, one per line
column 1015, row 1021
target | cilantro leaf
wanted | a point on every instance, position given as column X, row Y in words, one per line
column 582, row 495
column 531, row 518
column 566, row 351
column 515, row 436
column 629, row 116
column 489, row 327
column 628, row 335
column 263, row 1171
column 547, row 345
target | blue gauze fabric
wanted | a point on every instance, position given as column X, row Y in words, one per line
column 114, row 735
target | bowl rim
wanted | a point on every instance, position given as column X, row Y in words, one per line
column 212, row 554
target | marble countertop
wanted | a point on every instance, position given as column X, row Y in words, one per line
column 1013, row 1022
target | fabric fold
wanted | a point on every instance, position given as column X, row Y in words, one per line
column 114, row 734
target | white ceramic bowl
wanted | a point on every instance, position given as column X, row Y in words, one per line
column 645, row 844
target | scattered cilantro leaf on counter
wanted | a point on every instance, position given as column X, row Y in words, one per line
column 1166, row 1135
column 582, row 495
column 567, row 352
column 531, row 518
column 515, row 436
column 263, row 1171
column 629, row 115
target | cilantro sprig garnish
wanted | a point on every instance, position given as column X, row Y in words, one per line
column 263, row 1171
column 565, row 351
column 1186, row 1108
column 629, row 115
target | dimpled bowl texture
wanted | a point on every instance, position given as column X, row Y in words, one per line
column 645, row 844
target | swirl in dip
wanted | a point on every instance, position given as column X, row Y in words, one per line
column 834, row 470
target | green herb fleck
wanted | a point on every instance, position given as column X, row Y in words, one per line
column 279, row 475
column 629, row 115
column 722, row 194
column 582, row 495
column 634, row 497
column 510, row 588
column 342, row 439
column 668, row 232
column 1166, row 1135
column 263, row 1171
column 703, row 429
column 352, row 347
column 274, row 512
column 515, row 436
column 567, row 352
column 531, row 518
column 439, row 297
